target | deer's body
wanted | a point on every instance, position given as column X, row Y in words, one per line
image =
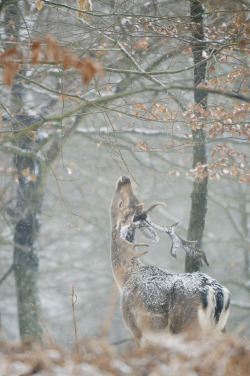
column 155, row 302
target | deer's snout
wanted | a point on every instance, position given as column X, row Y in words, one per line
column 125, row 179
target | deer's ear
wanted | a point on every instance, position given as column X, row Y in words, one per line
column 149, row 232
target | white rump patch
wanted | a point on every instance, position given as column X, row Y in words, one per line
column 224, row 313
column 206, row 315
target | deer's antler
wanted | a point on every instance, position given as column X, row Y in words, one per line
column 189, row 246
column 154, row 206
column 143, row 222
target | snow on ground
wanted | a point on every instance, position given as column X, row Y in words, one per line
column 189, row 355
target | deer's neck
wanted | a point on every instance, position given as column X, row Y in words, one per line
column 121, row 271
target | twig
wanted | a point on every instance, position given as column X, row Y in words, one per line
column 73, row 302
column 44, row 326
column 41, row 340
column 89, row 105
column 110, row 310
column 7, row 274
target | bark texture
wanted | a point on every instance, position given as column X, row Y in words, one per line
column 26, row 233
column 199, row 192
column 26, row 215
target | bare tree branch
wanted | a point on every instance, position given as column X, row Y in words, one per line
column 9, row 271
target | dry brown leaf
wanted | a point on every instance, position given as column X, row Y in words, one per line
column 69, row 60
column 88, row 68
column 39, row 4
column 7, row 74
column 9, row 70
column 53, row 51
column 26, row 172
column 35, row 49
column 7, row 53
column 84, row 5
column 142, row 145
column 99, row 69
column 33, row 134
column 150, row 117
column 142, row 44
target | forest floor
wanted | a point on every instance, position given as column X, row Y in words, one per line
column 189, row 355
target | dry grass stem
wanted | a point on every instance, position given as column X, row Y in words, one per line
column 73, row 302
column 44, row 326
column 107, row 322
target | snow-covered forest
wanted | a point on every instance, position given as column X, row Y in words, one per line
column 90, row 91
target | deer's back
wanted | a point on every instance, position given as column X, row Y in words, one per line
column 159, row 300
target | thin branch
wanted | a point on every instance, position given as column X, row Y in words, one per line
column 46, row 88
column 230, row 217
column 146, row 74
column 139, row 69
column 101, row 14
column 7, row 274
column 9, row 148
column 141, row 72
column 206, row 89
column 148, row 16
column 87, row 105
column 73, row 302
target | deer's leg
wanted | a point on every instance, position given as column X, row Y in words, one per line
column 136, row 333
column 130, row 322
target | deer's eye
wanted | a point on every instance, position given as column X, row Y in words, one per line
column 120, row 204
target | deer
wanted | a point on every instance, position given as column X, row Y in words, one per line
column 155, row 302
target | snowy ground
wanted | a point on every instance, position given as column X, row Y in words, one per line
column 189, row 355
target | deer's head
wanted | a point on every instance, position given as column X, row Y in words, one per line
column 128, row 214
column 125, row 205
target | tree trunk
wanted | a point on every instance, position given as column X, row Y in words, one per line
column 199, row 192
column 26, row 232
column 29, row 198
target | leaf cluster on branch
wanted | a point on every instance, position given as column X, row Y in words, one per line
column 46, row 51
